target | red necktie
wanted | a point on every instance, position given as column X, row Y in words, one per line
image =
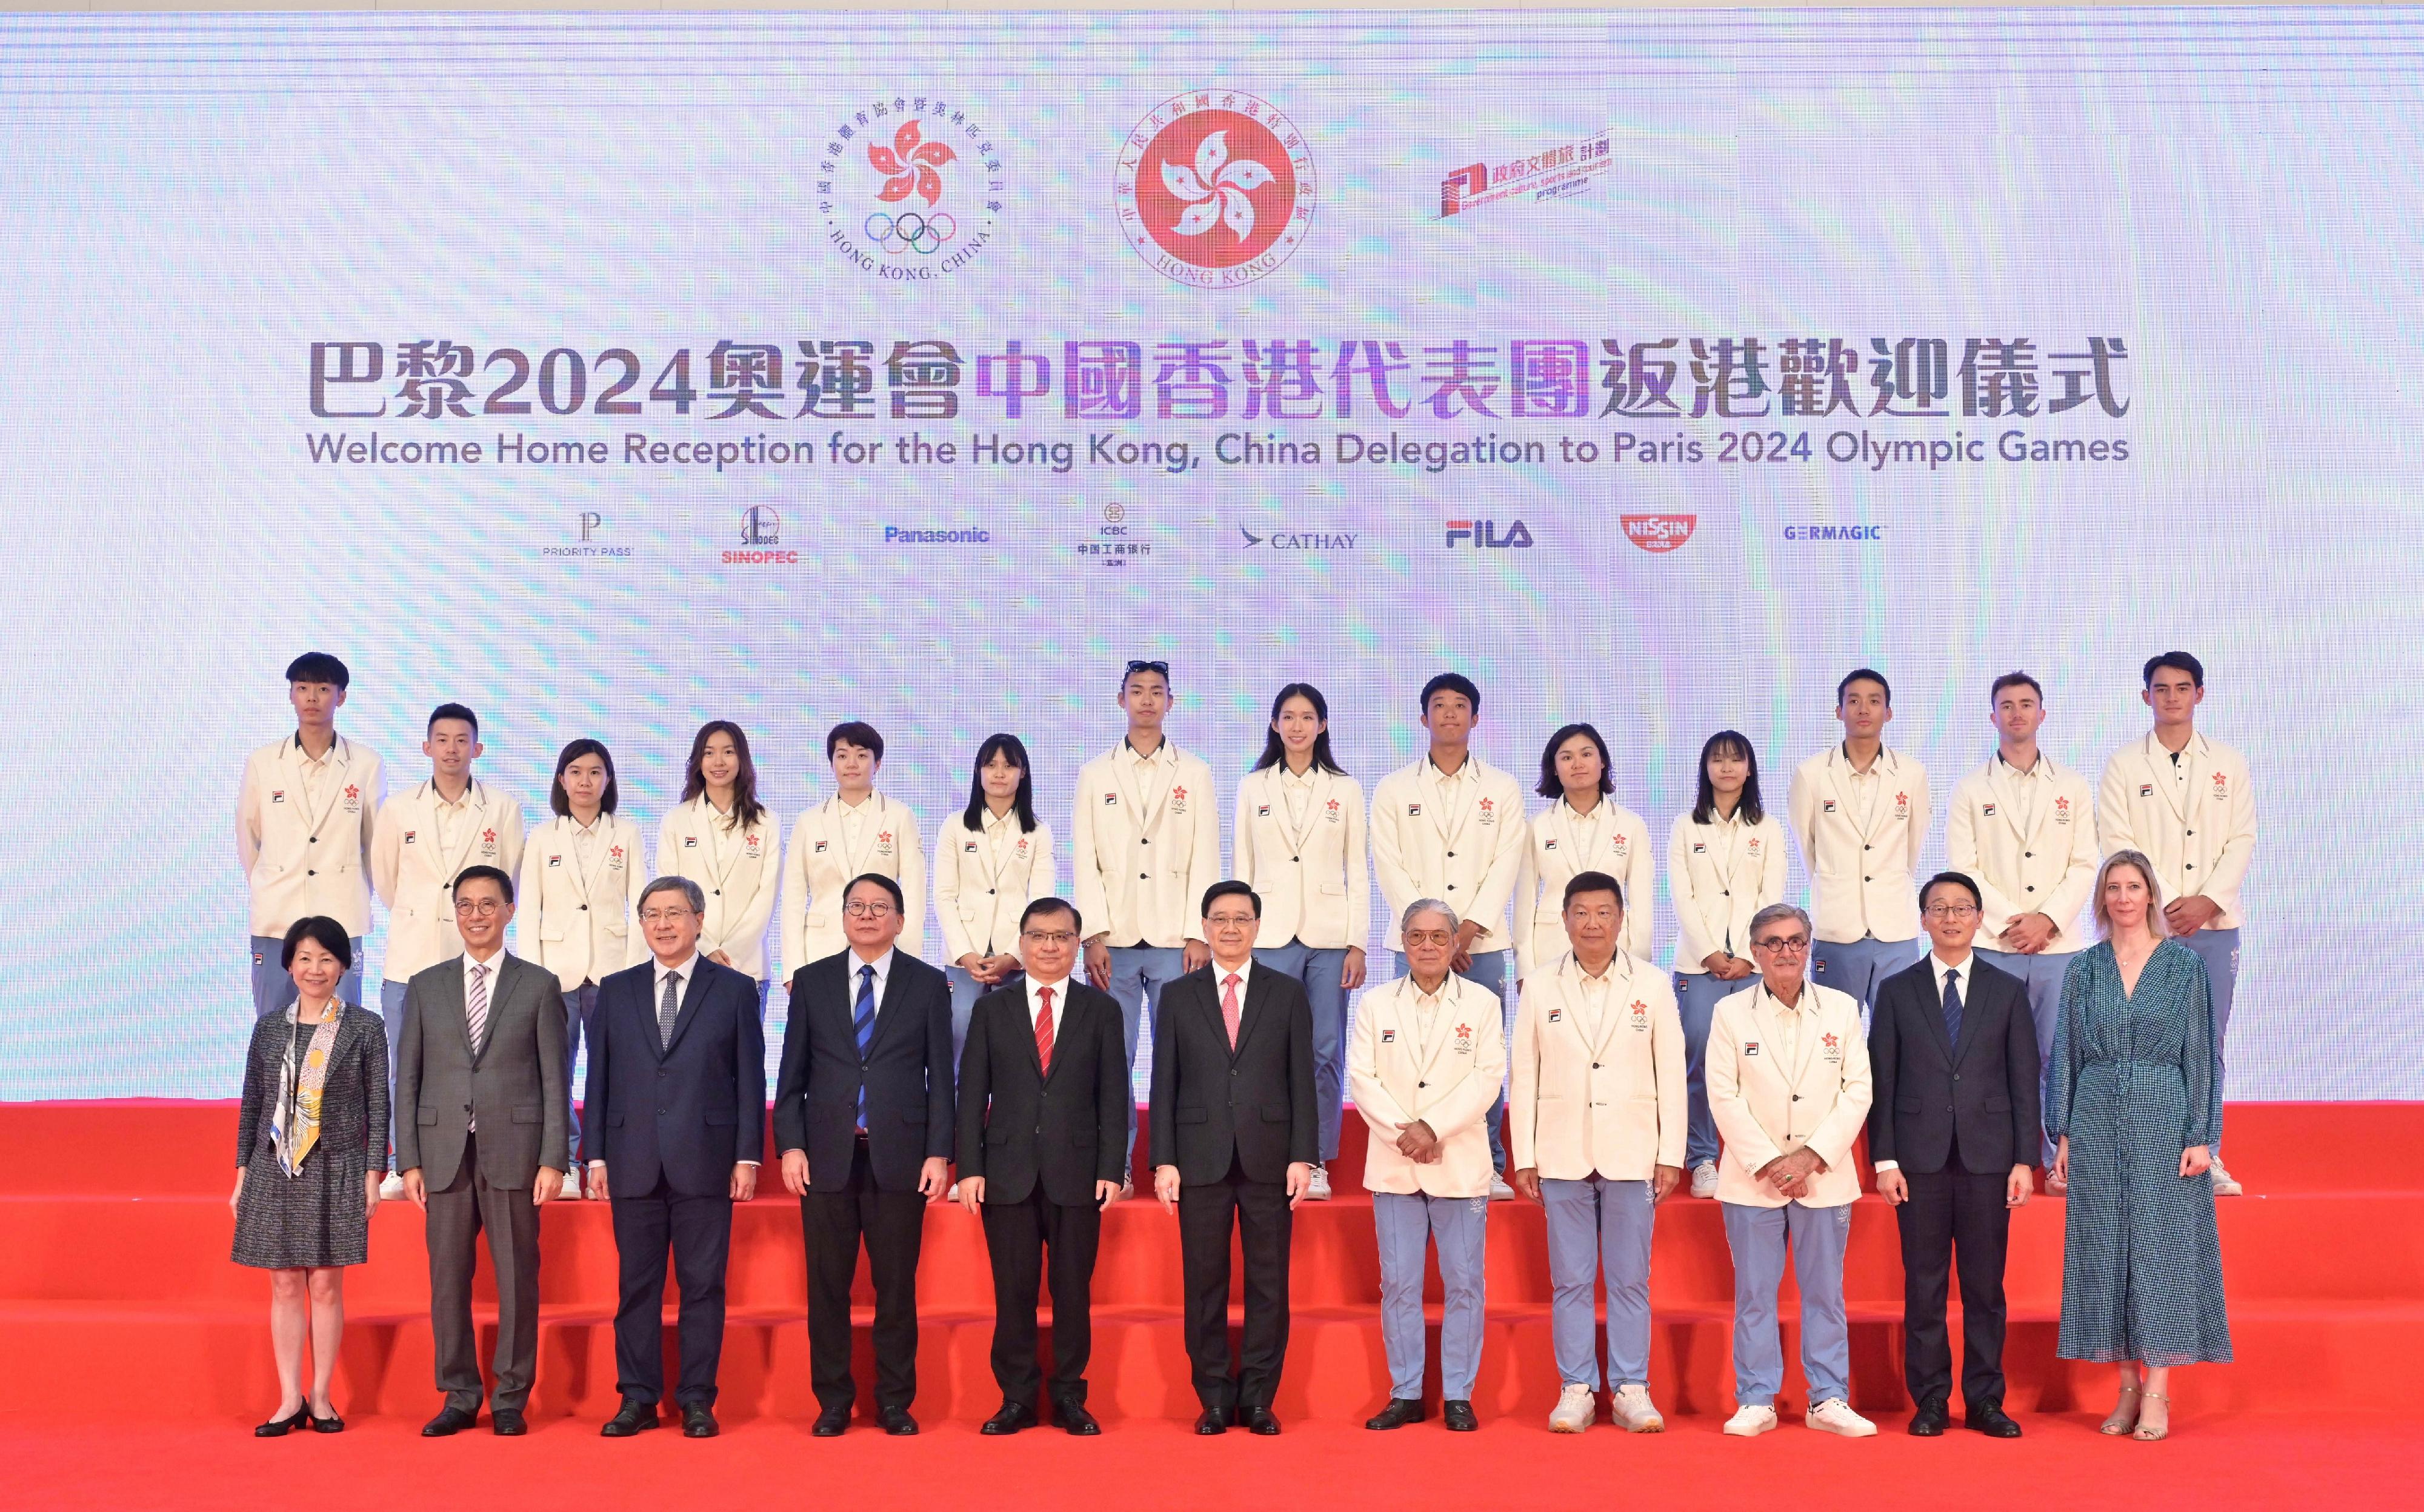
column 1044, row 1030
column 1229, row 1009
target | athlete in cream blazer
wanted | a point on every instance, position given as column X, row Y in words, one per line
column 821, row 862
column 1140, row 861
column 414, row 871
column 1468, row 859
column 2200, row 833
column 1554, row 851
column 1611, row 1105
column 981, row 889
column 2047, row 868
column 1448, row 1080
column 583, row 925
column 1768, row 1102
column 1720, row 875
column 1315, row 887
column 738, row 868
column 302, row 858
column 1863, row 877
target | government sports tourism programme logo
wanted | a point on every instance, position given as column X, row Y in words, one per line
column 1659, row 533
column 1215, row 188
column 910, row 187
column 1551, row 173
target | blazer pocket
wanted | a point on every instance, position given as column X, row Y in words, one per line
column 1275, row 1113
column 720, row 1118
column 1333, row 889
column 1194, row 1115
column 527, row 1115
column 426, row 1118
column 1644, row 1097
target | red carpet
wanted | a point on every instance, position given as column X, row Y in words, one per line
column 118, row 1304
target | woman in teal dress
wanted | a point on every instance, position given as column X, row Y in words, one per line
column 2134, row 1103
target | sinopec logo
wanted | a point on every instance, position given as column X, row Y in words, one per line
column 1659, row 533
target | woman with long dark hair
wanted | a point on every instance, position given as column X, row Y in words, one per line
column 723, row 838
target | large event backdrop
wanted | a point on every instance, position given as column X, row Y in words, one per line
column 1652, row 369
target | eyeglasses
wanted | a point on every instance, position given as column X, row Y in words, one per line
column 664, row 916
column 479, row 907
column 863, row 909
column 1430, row 936
column 1792, row 946
column 1049, row 936
column 1229, row 921
column 1951, row 910
column 1162, row 667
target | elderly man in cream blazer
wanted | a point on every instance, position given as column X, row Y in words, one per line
column 1425, row 1066
column 1789, row 1085
column 1596, row 1119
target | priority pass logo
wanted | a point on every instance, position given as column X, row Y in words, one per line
column 1659, row 533
column 910, row 187
column 1215, row 188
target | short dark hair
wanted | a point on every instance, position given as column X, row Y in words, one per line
column 1549, row 786
column 857, row 732
column 1136, row 664
column 1036, row 906
column 318, row 666
column 495, row 874
column 1593, row 882
column 2014, row 680
column 1232, row 888
column 452, row 712
column 571, row 754
column 1955, row 878
column 1863, row 675
column 2177, row 660
column 899, row 899
column 321, row 930
column 1451, row 682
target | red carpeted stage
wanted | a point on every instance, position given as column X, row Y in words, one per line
column 119, row 1307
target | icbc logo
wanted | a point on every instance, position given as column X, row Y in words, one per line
column 1215, row 188
column 1659, row 533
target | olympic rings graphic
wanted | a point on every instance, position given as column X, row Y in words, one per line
column 910, row 232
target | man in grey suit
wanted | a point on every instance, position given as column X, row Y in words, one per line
column 480, row 1139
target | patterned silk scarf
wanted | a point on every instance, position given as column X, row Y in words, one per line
column 295, row 1122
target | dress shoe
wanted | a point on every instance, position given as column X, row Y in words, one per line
column 1929, row 1421
column 831, row 1423
column 698, row 1421
column 1458, row 1417
column 1074, row 1419
column 1212, row 1420
column 1259, row 1420
column 1013, row 1417
column 1399, row 1412
column 331, row 1424
column 450, row 1421
column 897, row 1422
column 281, row 1427
column 1989, row 1418
column 506, row 1421
column 635, row 1417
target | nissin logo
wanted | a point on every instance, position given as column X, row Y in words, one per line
column 1659, row 533
column 1484, row 535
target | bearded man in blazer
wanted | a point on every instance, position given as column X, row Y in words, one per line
column 1953, row 1050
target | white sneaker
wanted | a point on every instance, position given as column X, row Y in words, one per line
column 391, row 1189
column 1704, row 1179
column 1319, row 1190
column 1499, row 1190
column 1577, row 1409
column 1750, row 1422
column 2223, row 1183
column 1835, row 1415
column 570, row 1191
column 953, row 1195
column 1634, row 1411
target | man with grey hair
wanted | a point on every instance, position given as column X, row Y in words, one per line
column 1424, row 1063
column 1788, row 1071
column 675, row 1128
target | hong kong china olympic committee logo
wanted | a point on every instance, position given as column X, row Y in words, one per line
column 910, row 187
column 1215, row 188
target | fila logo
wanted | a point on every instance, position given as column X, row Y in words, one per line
column 1388, row 1036
column 555, row 861
column 1413, row 810
column 1111, row 798
column 1990, row 814
column 1829, row 805
column 1548, row 845
column 690, row 842
column 1262, row 810
column 1484, row 535
column 820, row 848
column 2145, row 789
column 970, row 848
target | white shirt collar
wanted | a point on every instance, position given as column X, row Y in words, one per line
column 495, row 965
column 883, row 965
column 686, row 971
column 1059, row 998
column 1220, row 980
column 1938, row 966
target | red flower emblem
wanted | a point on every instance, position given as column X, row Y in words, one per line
column 352, row 791
column 1829, row 1041
column 487, row 837
column 884, row 836
column 1901, row 798
column 1465, row 1031
column 1332, row 806
column 909, row 164
column 2062, row 805
column 614, row 851
column 1487, row 806
column 1179, row 793
column 1640, row 1008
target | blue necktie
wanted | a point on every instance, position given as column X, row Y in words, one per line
column 1952, row 1007
column 862, row 1023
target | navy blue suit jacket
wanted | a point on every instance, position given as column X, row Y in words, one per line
column 906, row 1070
column 689, row 1109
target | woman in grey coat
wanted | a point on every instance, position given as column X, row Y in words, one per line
column 310, row 1151
column 2134, row 1103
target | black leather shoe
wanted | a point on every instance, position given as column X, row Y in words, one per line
column 1013, row 1417
column 1396, row 1415
column 635, row 1417
column 506, row 1421
column 1259, row 1420
column 1991, row 1419
column 1458, row 1417
column 1074, row 1419
column 698, row 1421
column 897, row 1422
column 331, row 1424
column 831, row 1423
column 1212, row 1420
column 1929, row 1421
column 281, row 1427
column 450, row 1421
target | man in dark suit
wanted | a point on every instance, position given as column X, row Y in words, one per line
column 863, row 1117
column 1954, row 1050
column 1044, row 1120
column 480, row 1136
column 675, row 1112
column 1234, row 1133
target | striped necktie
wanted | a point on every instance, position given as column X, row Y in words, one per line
column 862, row 1023
column 475, row 1016
column 668, row 1008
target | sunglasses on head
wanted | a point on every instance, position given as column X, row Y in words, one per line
column 1135, row 667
